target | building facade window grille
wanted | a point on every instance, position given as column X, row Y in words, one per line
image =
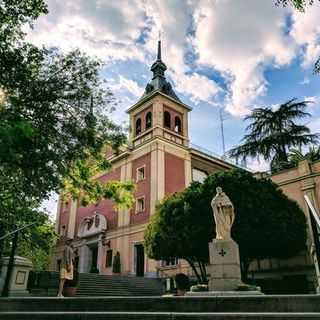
column 169, row 262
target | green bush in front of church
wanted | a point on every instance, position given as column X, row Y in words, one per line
column 267, row 225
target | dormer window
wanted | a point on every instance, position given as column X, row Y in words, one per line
column 177, row 125
column 148, row 120
column 138, row 126
column 167, row 120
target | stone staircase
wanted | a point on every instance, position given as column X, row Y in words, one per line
column 299, row 307
column 46, row 283
column 91, row 284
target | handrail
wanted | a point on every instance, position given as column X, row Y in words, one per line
column 17, row 230
column 313, row 210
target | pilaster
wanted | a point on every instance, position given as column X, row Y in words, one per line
column 72, row 219
column 125, row 175
column 57, row 224
column 157, row 176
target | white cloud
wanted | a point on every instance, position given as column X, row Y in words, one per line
column 314, row 125
column 173, row 19
column 306, row 32
column 127, row 85
column 239, row 38
column 258, row 165
column 305, row 81
column 107, row 29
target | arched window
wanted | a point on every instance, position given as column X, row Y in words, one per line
column 138, row 126
column 177, row 125
column 167, row 119
column 148, row 120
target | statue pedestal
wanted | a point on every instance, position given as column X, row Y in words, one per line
column 224, row 268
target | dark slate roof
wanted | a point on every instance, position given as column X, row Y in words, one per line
column 158, row 81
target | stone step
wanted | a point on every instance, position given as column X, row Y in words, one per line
column 92, row 284
column 236, row 304
column 105, row 285
column 154, row 316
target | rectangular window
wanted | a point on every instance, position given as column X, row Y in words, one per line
column 169, row 262
column 109, row 258
column 140, row 205
column 140, row 174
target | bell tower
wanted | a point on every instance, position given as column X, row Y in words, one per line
column 159, row 112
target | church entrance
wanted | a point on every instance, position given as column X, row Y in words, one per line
column 94, row 259
column 139, row 255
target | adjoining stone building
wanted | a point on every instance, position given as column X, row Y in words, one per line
column 161, row 160
column 300, row 273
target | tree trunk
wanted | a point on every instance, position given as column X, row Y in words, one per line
column 202, row 268
column 5, row 291
column 245, row 264
column 194, row 269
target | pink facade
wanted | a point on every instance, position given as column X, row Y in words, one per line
column 142, row 189
column 174, row 173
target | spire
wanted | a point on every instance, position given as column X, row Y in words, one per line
column 159, row 82
column 158, row 68
column 159, row 51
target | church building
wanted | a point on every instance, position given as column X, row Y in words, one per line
column 160, row 160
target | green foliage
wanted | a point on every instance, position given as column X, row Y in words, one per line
column 297, row 4
column 267, row 223
column 296, row 155
column 54, row 122
column 176, row 230
column 273, row 132
column 36, row 244
column 116, row 264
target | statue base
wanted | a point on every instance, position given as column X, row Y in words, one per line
column 224, row 268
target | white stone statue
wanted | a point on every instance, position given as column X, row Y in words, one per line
column 223, row 213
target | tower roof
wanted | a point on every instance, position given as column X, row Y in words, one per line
column 158, row 81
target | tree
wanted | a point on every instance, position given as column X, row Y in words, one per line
column 54, row 124
column 54, row 121
column 179, row 229
column 36, row 244
column 273, row 132
column 267, row 224
column 295, row 155
column 297, row 4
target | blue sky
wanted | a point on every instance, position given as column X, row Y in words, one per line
column 228, row 54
